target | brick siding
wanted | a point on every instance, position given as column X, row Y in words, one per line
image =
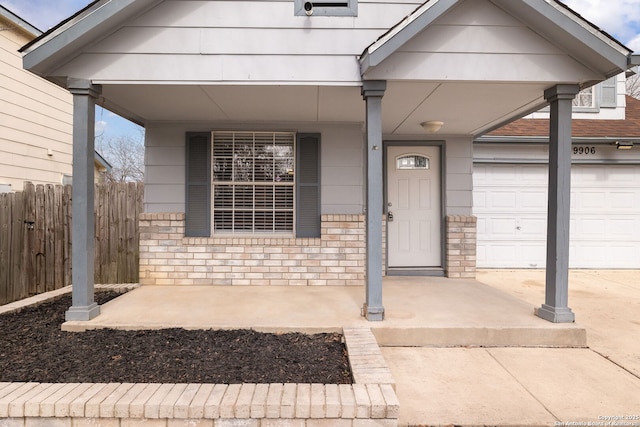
column 169, row 258
column 336, row 258
column 461, row 246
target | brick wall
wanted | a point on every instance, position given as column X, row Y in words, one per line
column 336, row 258
column 169, row 258
column 461, row 246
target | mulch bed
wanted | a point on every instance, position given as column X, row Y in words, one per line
column 33, row 348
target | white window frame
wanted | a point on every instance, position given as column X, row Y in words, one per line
column 236, row 206
column 584, row 107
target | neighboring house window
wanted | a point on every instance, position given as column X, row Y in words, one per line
column 325, row 8
column 253, row 182
column 585, row 98
column 602, row 95
column 590, row 100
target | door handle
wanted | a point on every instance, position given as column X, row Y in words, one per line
column 389, row 216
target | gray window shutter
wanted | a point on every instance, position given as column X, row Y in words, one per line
column 198, row 191
column 609, row 93
column 308, row 185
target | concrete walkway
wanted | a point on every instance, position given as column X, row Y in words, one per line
column 534, row 386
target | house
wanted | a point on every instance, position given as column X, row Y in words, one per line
column 291, row 143
column 510, row 185
column 36, row 117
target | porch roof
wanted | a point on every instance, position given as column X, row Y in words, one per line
column 453, row 88
column 553, row 19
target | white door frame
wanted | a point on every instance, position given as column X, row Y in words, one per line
column 430, row 271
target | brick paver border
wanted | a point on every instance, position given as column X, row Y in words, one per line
column 370, row 401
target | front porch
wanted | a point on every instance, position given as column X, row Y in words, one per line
column 419, row 311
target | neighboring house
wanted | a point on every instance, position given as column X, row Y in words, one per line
column 36, row 117
column 321, row 147
column 510, row 185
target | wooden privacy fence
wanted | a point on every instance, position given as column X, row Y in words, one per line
column 35, row 237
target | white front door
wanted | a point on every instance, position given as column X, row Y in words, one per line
column 414, row 206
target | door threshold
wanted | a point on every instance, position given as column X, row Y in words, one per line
column 415, row 271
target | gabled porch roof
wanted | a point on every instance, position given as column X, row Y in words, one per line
column 477, row 65
column 554, row 19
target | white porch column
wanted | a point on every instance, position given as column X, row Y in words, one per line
column 82, row 231
column 555, row 309
column 372, row 92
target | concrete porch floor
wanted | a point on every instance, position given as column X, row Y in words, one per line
column 420, row 311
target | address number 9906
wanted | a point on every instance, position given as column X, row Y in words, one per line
column 584, row 150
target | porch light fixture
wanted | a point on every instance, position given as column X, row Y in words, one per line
column 432, row 126
column 623, row 145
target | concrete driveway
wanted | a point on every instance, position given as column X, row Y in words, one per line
column 605, row 302
column 518, row 386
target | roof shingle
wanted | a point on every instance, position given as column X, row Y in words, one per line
column 628, row 128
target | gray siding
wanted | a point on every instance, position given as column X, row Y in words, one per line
column 267, row 38
column 459, row 176
column 480, row 42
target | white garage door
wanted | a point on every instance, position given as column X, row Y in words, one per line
column 510, row 202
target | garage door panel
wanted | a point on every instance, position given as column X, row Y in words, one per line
column 604, row 255
column 591, row 174
column 480, row 199
column 533, row 200
column 605, row 216
column 505, row 252
column 533, row 175
column 501, row 174
column 533, row 227
column 622, row 227
column 534, row 254
column 588, row 199
column 502, row 227
column 626, row 200
column 625, row 175
column 503, row 199
column 588, row 227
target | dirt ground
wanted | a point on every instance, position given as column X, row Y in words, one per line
column 33, row 348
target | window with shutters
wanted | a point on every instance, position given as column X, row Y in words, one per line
column 253, row 182
column 593, row 98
